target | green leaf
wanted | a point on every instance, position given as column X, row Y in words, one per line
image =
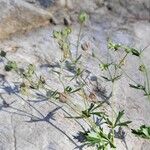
column 124, row 123
column 104, row 66
column 79, row 71
column 99, row 138
column 99, row 114
column 65, row 32
column 23, row 89
column 142, row 68
column 138, row 86
column 107, row 79
column 76, row 90
column 82, row 17
column 3, row 54
column 98, row 106
column 120, row 114
column 30, row 70
column 91, row 107
column 109, row 122
column 127, row 50
column 86, row 114
column 78, row 59
column 116, row 78
column 57, row 34
column 76, row 117
column 135, row 52
column 93, row 54
column 39, row 84
column 118, row 120
column 68, row 89
column 113, row 46
column 52, row 94
column 11, row 65
column 143, row 132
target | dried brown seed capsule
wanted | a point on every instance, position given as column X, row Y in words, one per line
column 63, row 97
column 85, row 46
column 92, row 97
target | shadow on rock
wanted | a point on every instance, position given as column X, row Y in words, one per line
column 46, row 3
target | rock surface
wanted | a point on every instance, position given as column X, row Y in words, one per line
column 19, row 16
column 19, row 127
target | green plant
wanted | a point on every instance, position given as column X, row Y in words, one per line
column 100, row 135
column 3, row 54
column 114, row 68
column 30, row 81
column 82, row 18
column 118, row 67
column 99, row 139
column 62, row 38
column 143, row 132
column 145, row 87
column 11, row 65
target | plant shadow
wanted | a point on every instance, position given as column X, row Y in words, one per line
column 46, row 3
column 48, row 118
column 99, row 90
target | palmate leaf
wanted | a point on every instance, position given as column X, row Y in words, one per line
column 113, row 79
column 120, row 115
column 93, row 107
column 98, row 106
column 109, row 123
column 90, row 111
column 143, row 132
column 118, row 120
column 86, row 114
column 104, row 66
column 99, row 138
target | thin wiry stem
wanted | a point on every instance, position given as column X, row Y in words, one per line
column 78, row 41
